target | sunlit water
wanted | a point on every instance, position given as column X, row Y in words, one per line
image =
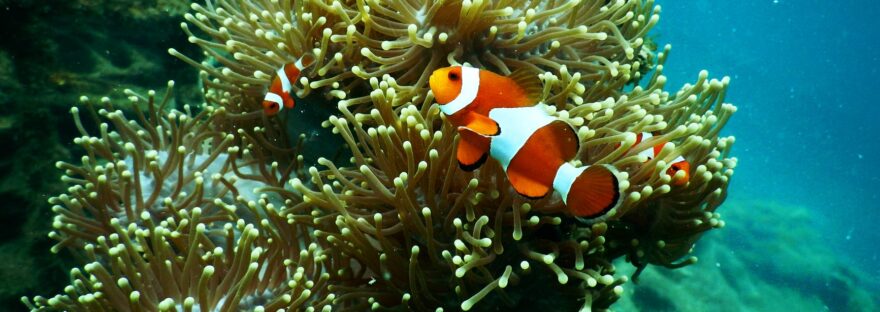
column 804, row 76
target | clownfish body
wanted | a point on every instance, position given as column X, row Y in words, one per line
column 496, row 116
column 678, row 164
column 279, row 97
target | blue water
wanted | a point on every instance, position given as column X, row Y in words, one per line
column 804, row 76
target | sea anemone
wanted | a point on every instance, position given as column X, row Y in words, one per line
column 164, row 202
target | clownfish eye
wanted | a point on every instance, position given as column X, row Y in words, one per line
column 453, row 76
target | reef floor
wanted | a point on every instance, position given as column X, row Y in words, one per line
column 769, row 257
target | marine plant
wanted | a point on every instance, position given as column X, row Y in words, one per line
column 216, row 207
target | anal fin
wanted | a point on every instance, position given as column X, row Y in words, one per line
column 527, row 185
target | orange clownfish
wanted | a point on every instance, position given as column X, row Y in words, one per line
column 678, row 164
column 497, row 116
column 278, row 96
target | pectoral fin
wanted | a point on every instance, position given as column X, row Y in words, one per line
column 482, row 124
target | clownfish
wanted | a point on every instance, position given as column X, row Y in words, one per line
column 497, row 116
column 278, row 96
column 678, row 164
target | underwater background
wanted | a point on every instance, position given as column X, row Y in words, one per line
column 801, row 217
column 803, row 203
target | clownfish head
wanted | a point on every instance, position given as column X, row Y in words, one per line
column 683, row 166
column 446, row 84
column 271, row 108
column 274, row 103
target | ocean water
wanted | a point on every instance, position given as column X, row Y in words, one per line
column 803, row 209
column 804, row 76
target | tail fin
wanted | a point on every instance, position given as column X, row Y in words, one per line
column 590, row 191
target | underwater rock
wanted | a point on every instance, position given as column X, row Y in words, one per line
column 768, row 261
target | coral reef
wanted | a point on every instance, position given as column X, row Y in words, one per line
column 215, row 206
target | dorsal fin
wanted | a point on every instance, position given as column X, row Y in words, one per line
column 528, row 80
